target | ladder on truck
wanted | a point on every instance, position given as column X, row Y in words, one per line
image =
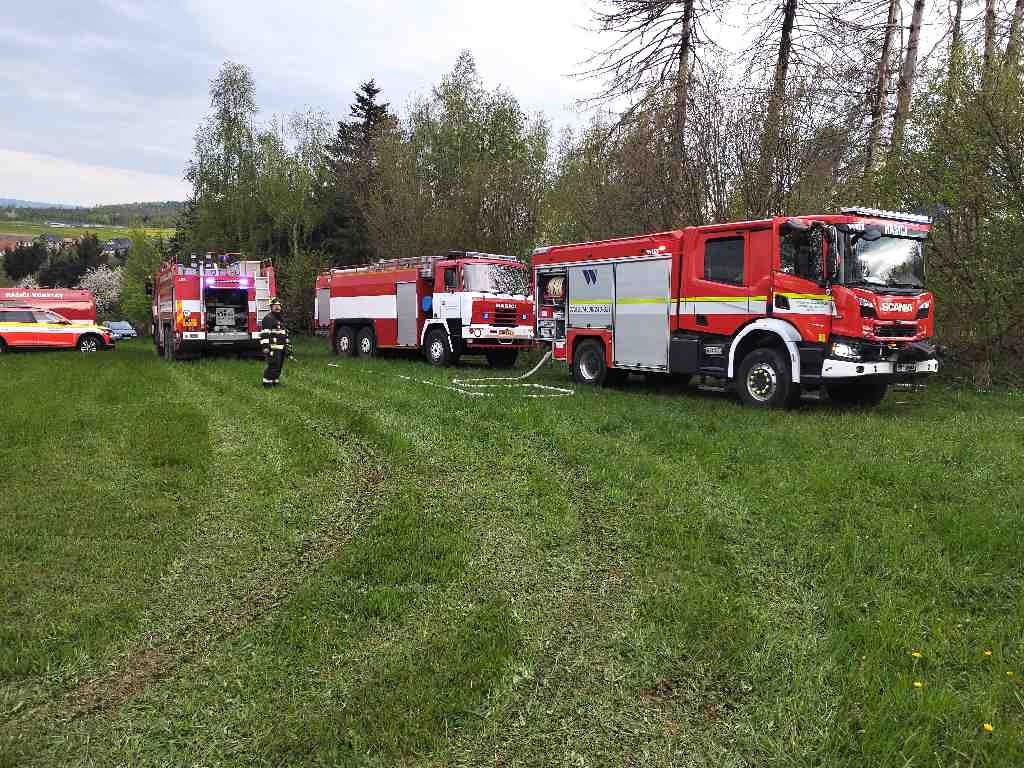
column 425, row 264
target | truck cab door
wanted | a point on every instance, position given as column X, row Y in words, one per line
column 447, row 299
column 717, row 284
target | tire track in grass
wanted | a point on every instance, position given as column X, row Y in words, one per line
column 579, row 598
column 237, row 566
column 91, row 529
column 387, row 557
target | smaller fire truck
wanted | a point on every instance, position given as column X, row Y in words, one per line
column 445, row 306
column 78, row 306
column 774, row 306
column 209, row 302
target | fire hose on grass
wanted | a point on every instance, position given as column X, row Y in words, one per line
column 485, row 387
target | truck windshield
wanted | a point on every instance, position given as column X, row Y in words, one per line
column 888, row 262
column 496, row 278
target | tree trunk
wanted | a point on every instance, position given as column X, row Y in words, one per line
column 770, row 136
column 956, row 40
column 1013, row 46
column 990, row 33
column 881, row 84
column 906, row 86
column 682, row 94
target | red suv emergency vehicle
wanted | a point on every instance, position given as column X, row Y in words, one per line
column 25, row 327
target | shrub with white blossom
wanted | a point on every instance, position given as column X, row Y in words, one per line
column 105, row 283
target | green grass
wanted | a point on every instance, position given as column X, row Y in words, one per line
column 35, row 228
column 356, row 569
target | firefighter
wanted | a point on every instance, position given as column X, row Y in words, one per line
column 274, row 341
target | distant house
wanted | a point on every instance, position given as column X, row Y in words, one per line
column 119, row 247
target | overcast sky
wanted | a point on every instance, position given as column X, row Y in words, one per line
column 99, row 99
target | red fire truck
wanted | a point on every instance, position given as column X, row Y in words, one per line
column 446, row 306
column 774, row 306
column 210, row 302
column 76, row 305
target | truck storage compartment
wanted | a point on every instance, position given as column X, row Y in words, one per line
column 227, row 314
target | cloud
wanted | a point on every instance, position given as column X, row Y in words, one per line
column 122, row 84
column 47, row 178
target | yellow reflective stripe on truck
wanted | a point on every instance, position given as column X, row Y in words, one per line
column 813, row 296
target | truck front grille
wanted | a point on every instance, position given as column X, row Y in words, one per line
column 893, row 331
column 505, row 318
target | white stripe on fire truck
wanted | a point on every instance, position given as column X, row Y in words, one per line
column 372, row 307
column 191, row 305
column 721, row 305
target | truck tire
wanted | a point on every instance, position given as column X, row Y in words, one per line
column 344, row 341
column 89, row 342
column 764, row 380
column 436, row 348
column 865, row 393
column 3, row 346
column 502, row 358
column 588, row 363
column 366, row 342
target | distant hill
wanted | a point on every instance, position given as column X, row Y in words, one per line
column 10, row 202
column 149, row 214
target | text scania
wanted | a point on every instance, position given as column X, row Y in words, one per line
column 894, row 306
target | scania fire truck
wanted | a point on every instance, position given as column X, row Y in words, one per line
column 774, row 306
column 208, row 302
column 445, row 306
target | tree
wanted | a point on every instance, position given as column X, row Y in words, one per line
column 65, row 267
column 906, row 87
column 24, row 260
column 104, row 282
column 468, row 169
column 881, row 85
column 144, row 259
column 351, row 167
column 222, row 170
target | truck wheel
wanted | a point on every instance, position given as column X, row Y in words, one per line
column 764, row 381
column 344, row 341
column 588, row 363
column 865, row 393
column 436, row 348
column 3, row 346
column 366, row 342
column 89, row 343
column 502, row 358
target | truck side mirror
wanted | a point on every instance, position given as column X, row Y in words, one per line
column 832, row 263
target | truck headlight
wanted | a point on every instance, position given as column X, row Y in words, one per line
column 845, row 351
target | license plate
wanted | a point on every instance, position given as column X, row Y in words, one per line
column 906, row 367
column 505, row 332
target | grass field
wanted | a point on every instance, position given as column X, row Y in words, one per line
column 35, row 228
column 357, row 569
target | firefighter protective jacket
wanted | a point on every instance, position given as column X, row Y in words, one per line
column 273, row 334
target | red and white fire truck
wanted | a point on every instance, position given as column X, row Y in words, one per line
column 208, row 302
column 78, row 306
column 774, row 306
column 446, row 306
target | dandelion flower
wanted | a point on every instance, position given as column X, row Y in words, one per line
column 988, row 727
column 1009, row 674
column 918, row 684
column 916, row 654
column 988, row 652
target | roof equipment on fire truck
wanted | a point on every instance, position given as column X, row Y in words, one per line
column 878, row 213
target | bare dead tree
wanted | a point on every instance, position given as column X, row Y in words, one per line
column 908, row 73
column 990, row 34
column 1013, row 45
column 655, row 55
column 956, row 35
column 881, row 86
